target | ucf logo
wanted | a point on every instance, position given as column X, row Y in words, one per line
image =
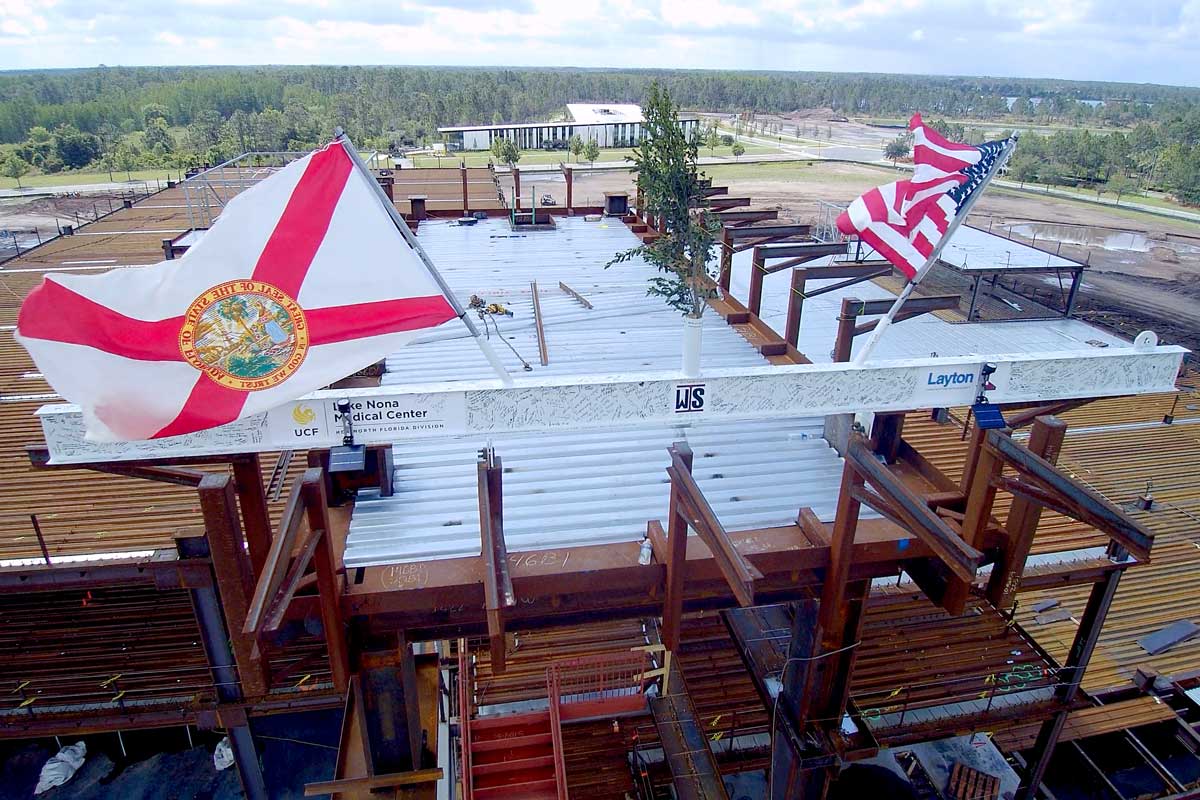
column 689, row 398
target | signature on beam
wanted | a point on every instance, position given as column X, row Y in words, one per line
column 548, row 558
column 404, row 576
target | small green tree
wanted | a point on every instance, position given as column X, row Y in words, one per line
column 15, row 167
column 668, row 183
column 898, row 148
column 157, row 137
column 591, row 150
column 125, row 159
column 1121, row 184
column 509, row 153
column 575, row 145
column 712, row 139
column 738, row 150
column 498, row 148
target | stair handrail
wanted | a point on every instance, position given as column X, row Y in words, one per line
column 603, row 674
column 464, row 716
column 560, row 764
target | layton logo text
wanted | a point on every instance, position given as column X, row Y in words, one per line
column 945, row 380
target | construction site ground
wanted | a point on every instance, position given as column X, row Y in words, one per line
column 1126, row 290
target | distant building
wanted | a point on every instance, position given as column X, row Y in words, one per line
column 610, row 124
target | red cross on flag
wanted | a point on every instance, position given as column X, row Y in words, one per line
column 302, row 280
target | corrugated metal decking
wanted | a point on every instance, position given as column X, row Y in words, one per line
column 574, row 488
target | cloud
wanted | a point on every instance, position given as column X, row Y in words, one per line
column 1152, row 40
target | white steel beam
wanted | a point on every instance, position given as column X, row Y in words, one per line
column 397, row 413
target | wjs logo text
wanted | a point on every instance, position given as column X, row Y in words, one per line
column 689, row 397
column 946, row 380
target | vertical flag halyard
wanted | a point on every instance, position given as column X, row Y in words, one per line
column 302, row 280
column 908, row 222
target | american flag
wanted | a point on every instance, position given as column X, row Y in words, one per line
column 905, row 220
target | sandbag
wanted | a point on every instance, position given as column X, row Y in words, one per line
column 61, row 767
column 223, row 755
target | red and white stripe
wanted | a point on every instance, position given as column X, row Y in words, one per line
column 903, row 221
column 315, row 230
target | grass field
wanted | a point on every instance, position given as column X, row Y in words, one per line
column 74, row 178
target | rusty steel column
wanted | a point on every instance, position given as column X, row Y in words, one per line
column 247, row 476
column 758, row 271
column 791, row 328
column 1046, row 440
column 328, row 587
column 516, row 174
column 1090, row 624
column 570, row 175
column 215, row 638
column 726, row 275
column 847, row 320
column 235, row 582
column 466, row 204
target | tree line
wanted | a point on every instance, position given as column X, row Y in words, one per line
column 120, row 118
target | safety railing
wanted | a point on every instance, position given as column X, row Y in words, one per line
column 599, row 685
column 464, row 716
column 560, row 763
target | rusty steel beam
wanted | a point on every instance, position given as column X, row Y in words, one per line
column 759, row 231
column 325, row 563
column 740, row 574
column 498, row 588
column 163, row 569
column 276, row 563
column 1026, row 416
column 735, row 219
column 803, row 249
column 961, row 559
column 252, row 499
column 876, row 272
column 1078, row 501
column 981, row 496
column 234, row 580
column 677, row 529
column 1045, row 440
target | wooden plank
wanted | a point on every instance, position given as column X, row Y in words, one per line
column 582, row 300
column 543, row 355
column 374, row 783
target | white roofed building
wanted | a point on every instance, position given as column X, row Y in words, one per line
column 610, row 124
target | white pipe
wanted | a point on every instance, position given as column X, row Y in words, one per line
column 693, row 329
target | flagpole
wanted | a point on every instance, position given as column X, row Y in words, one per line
column 883, row 324
column 402, row 226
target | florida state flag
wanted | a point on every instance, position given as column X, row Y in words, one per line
column 302, row 280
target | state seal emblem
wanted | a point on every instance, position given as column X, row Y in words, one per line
column 245, row 334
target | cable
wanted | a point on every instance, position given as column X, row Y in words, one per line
column 783, row 678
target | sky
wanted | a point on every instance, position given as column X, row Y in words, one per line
column 1153, row 41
